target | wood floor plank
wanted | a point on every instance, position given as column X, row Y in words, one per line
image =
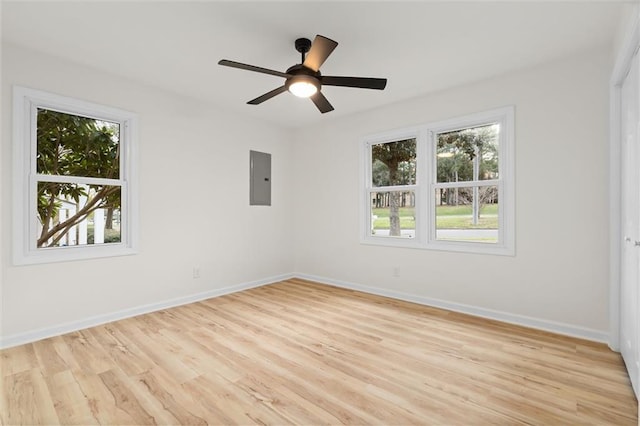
column 72, row 407
column 157, row 385
column 88, row 353
column 126, row 400
column 26, row 400
column 101, row 400
column 220, row 405
column 165, row 355
column 299, row 352
column 18, row 359
column 127, row 355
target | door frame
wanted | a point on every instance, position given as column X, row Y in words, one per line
column 627, row 50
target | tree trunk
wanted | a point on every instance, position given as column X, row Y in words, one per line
column 476, row 194
column 108, row 221
column 475, row 206
column 55, row 231
column 394, row 214
column 394, row 202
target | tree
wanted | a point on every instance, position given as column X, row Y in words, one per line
column 468, row 155
column 70, row 145
column 394, row 164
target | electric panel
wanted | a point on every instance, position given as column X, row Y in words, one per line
column 260, row 178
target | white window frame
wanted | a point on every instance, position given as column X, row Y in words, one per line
column 26, row 102
column 426, row 182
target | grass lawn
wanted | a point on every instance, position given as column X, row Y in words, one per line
column 464, row 222
column 459, row 217
column 407, row 218
column 404, row 212
column 447, row 217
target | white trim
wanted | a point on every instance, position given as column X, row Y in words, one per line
column 77, row 179
column 409, row 132
column 615, row 183
column 393, row 188
column 621, row 68
column 506, row 317
column 468, row 183
column 25, row 103
column 56, row 330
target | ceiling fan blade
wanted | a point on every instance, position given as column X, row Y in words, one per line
column 267, row 96
column 359, row 82
column 321, row 102
column 320, row 50
column 247, row 67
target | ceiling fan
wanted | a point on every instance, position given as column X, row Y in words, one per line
column 305, row 80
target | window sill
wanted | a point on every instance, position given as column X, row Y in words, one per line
column 450, row 246
column 68, row 254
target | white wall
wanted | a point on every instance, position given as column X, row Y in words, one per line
column 194, row 204
column 559, row 275
column 628, row 16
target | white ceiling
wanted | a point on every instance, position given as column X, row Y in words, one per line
column 420, row 47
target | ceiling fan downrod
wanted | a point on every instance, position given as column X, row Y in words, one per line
column 303, row 45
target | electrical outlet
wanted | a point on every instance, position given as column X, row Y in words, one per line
column 196, row 272
column 396, row 271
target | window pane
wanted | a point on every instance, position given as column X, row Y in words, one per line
column 70, row 145
column 393, row 163
column 393, row 214
column 70, row 214
column 468, row 154
column 467, row 214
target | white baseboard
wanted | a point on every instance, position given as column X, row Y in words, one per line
column 56, row 330
column 540, row 324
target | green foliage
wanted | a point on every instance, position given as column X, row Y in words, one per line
column 457, row 150
column 394, row 163
column 70, row 145
column 110, row 235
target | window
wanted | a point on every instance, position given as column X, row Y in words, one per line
column 74, row 191
column 392, row 192
column 446, row 185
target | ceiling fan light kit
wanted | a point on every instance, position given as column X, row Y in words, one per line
column 302, row 86
column 304, row 80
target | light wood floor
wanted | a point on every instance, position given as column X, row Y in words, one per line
column 302, row 353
